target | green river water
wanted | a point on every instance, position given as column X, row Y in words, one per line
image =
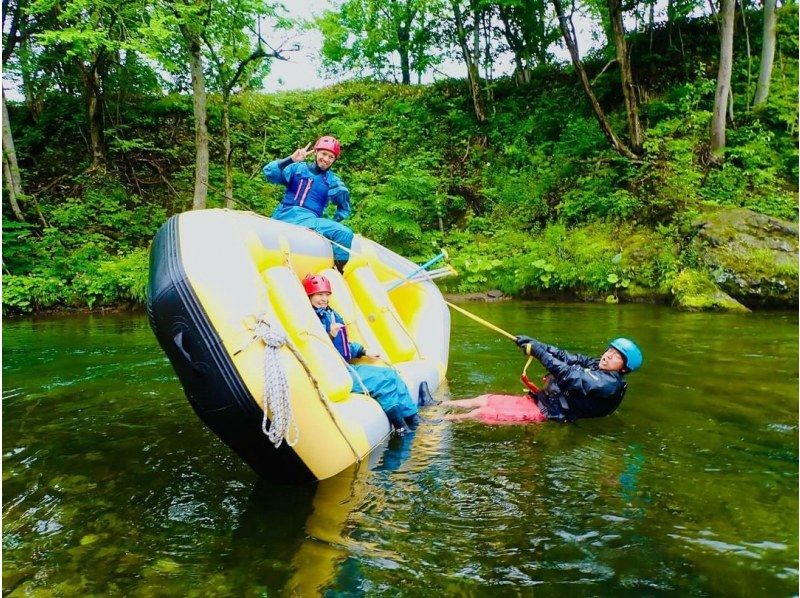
column 112, row 486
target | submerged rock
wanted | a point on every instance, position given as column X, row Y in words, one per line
column 751, row 257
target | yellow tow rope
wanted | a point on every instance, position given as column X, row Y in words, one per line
column 482, row 321
column 491, row 326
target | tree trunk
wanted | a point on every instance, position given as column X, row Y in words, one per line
column 767, row 53
column 93, row 95
column 473, row 75
column 226, row 142
column 10, row 166
column 670, row 19
column 402, row 49
column 626, row 75
column 723, row 78
column 12, row 194
column 95, row 109
column 522, row 74
column 743, row 8
column 200, row 126
column 565, row 24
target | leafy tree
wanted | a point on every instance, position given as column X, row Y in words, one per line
column 91, row 35
column 568, row 33
column 529, row 32
column 174, row 36
column 238, row 57
column 23, row 57
column 466, row 22
column 218, row 43
column 10, row 165
column 364, row 36
column 626, row 74
column 192, row 18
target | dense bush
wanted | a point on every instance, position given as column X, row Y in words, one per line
column 93, row 251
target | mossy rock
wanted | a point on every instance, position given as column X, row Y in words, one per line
column 750, row 256
column 635, row 293
column 695, row 291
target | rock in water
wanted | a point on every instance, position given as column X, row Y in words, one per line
column 750, row 256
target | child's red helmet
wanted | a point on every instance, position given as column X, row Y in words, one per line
column 316, row 284
column 329, row 143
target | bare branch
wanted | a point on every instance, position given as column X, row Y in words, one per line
column 608, row 64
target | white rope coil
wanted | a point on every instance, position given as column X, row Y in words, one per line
column 276, row 389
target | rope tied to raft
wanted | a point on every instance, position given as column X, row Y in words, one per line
column 276, row 389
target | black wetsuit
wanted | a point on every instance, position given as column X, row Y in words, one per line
column 576, row 387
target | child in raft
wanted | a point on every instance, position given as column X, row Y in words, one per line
column 382, row 383
column 576, row 386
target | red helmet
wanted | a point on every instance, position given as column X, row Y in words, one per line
column 329, row 143
column 316, row 284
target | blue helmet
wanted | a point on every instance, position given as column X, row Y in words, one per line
column 631, row 353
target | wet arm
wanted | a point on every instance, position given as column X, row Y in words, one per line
column 279, row 172
column 571, row 358
column 340, row 196
column 357, row 350
column 567, row 374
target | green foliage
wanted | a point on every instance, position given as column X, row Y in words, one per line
column 362, row 36
column 532, row 202
column 114, row 279
column 29, row 292
column 395, row 208
column 94, row 251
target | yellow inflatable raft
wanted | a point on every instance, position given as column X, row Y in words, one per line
column 226, row 304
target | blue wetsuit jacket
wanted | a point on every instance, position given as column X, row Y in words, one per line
column 576, row 387
column 309, row 187
column 381, row 383
column 346, row 349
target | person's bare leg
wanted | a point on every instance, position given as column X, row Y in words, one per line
column 481, row 401
column 474, row 414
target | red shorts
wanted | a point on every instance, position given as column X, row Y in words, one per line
column 510, row 409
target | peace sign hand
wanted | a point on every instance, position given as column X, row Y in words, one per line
column 301, row 153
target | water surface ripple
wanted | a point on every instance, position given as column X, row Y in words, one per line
column 112, row 486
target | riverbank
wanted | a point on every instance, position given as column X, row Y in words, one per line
column 533, row 202
column 725, row 260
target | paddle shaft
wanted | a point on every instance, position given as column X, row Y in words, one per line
column 417, row 271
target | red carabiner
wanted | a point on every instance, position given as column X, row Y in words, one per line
column 527, row 382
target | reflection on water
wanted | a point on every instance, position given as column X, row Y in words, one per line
column 112, row 486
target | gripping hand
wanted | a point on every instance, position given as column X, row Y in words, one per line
column 525, row 343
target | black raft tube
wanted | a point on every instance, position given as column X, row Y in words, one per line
column 214, row 388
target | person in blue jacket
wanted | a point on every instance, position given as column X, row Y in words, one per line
column 576, row 386
column 309, row 189
column 381, row 383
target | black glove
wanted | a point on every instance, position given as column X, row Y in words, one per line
column 525, row 343
column 522, row 340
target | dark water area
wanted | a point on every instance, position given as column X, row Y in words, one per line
column 112, row 486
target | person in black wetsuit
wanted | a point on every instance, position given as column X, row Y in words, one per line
column 576, row 386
